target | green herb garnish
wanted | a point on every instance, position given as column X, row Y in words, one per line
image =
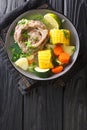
column 16, row 51
column 28, row 44
column 36, row 17
column 74, row 49
column 12, row 33
column 66, row 34
column 31, row 67
column 23, row 21
column 63, row 20
column 25, row 35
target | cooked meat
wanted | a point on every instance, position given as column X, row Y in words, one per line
column 35, row 24
column 34, row 33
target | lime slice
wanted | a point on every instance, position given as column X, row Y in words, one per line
column 53, row 20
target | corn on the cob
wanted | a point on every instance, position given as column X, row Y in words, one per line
column 44, row 59
column 60, row 36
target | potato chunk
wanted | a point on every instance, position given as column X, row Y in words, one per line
column 22, row 63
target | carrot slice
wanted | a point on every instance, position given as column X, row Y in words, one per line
column 57, row 50
column 31, row 61
column 57, row 69
column 64, row 58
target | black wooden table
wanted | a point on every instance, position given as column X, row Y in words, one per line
column 48, row 106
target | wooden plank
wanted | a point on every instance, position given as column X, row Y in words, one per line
column 75, row 103
column 75, row 95
column 56, row 5
column 8, row 5
column 43, row 107
column 10, row 100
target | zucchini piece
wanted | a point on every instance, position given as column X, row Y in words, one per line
column 42, row 73
column 69, row 49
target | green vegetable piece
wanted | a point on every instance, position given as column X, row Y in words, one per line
column 31, row 67
column 42, row 73
column 69, row 49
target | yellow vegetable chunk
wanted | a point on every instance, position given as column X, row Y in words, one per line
column 61, row 36
column 44, row 59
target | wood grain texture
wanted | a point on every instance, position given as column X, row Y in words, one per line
column 76, row 11
column 56, row 5
column 75, row 103
column 9, row 5
column 75, row 95
column 43, row 107
column 10, row 99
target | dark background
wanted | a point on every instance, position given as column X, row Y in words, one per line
column 48, row 106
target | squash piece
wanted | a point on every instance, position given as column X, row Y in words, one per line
column 69, row 49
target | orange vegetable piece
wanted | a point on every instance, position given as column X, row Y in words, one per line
column 31, row 61
column 57, row 69
column 64, row 58
column 57, row 50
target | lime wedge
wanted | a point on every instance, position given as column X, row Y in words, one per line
column 53, row 20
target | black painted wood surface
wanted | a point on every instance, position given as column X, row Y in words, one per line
column 75, row 95
column 48, row 106
column 10, row 98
